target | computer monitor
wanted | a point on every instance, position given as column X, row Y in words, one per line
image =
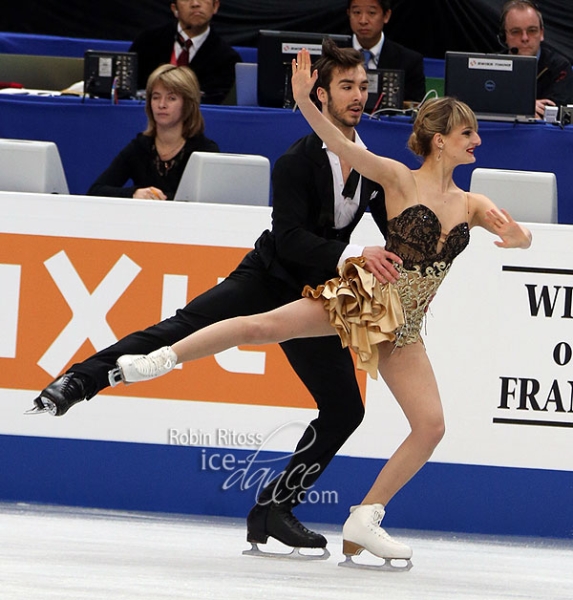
column 224, row 178
column 31, row 166
column 275, row 53
column 495, row 86
column 107, row 73
column 41, row 72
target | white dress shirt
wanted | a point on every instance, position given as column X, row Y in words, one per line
column 197, row 42
column 375, row 50
column 344, row 208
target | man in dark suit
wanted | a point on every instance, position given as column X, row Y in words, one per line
column 367, row 19
column 189, row 41
column 317, row 203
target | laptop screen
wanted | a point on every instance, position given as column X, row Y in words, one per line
column 493, row 84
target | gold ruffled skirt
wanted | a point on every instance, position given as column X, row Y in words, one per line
column 363, row 311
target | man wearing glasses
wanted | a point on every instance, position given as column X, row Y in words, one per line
column 521, row 30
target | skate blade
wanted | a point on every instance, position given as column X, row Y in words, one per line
column 49, row 407
column 294, row 554
column 388, row 565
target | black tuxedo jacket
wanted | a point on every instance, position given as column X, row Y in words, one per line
column 303, row 246
column 214, row 63
column 395, row 56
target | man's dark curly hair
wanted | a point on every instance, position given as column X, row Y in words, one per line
column 333, row 58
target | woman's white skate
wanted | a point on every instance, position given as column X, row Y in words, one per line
column 131, row 368
column 362, row 531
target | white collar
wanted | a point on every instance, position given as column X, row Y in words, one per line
column 197, row 40
column 376, row 49
column 357, row 140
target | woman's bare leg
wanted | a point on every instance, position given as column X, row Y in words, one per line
column 302, row 318
column 409, row 375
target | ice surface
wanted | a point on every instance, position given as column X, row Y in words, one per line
column 70, row 553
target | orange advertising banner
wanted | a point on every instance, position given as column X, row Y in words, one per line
column 76, row 296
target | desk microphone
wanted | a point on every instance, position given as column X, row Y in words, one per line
column 514, row 50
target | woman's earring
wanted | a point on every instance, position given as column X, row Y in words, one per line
column 440, row 148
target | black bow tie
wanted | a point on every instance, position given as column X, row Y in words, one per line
column 351, row 184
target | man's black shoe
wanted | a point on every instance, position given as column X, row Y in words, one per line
column 257, row 524
column 62, row 394
column 277, row 521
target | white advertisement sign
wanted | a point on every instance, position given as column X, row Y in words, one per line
column 78, row 273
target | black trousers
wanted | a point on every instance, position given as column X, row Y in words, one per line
column 322, row 364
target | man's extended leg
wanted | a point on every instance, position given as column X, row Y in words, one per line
column 245, row 291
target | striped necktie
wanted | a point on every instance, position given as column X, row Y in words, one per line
column 183, row 58
column 368, row 56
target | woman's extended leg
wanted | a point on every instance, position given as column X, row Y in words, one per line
column 302, row 318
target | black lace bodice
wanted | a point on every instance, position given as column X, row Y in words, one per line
column 414, row 235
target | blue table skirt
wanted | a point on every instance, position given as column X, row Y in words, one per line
column 90, row 133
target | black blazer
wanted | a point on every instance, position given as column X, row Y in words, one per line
column 303, row 246
column 395, row 56
column 214, row 63
column 554, row 77
column 136, row 162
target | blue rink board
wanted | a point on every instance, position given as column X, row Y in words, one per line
column 189, row 479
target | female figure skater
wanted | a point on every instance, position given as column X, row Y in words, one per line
column 429, row 218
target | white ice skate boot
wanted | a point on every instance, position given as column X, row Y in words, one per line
column 141, row 367
column 362, row 531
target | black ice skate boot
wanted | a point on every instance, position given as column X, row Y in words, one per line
column 277, row 521
column 62, row 394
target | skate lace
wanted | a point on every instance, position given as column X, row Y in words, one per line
column 292, row 520
column 151, row 366
column 377, row 517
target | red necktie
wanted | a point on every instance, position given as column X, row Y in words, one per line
column 183, row 58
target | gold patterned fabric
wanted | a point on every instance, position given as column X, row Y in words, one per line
column 365, row 312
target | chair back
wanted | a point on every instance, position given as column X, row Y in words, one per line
column 529, row 196
column 31, row 166
column 226, row 179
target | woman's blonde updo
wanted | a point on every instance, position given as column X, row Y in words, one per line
column 439, row 115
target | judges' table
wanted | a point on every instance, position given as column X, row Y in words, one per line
column 90, row 132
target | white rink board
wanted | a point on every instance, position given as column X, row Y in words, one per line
column 481, row 335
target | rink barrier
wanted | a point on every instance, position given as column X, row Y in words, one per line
column 203, row 439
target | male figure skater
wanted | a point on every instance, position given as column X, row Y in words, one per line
column 317, row 202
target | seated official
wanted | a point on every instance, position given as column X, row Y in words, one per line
column 190, row 41
column 367, row 19
column 155, row 160
column 522, row 32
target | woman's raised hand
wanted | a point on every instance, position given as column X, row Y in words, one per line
column 302, row 79
column 512, row 234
